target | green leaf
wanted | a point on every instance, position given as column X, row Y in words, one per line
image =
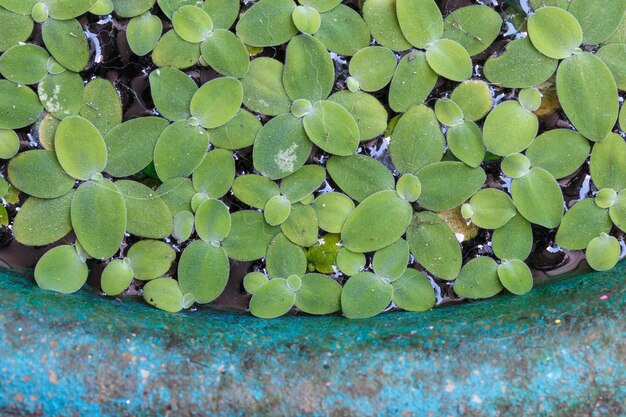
column 302, row 182
column 216, row 173
column 173, row 51
column 101, row 105
column 588, row 95
column 617, row 211
column 147, row 214
column 180, row 150
column 350, row 263
column 515, row 276
column 365, row 295
column 47, row 129
column 409, row 187
column 39, row 174
column 619, row 36
column 267, row 23
column 343, row 31
column 212, row 221
column 19, row 106
column 183, row 226
column 66, row 42
column 561, row 152
column 63, row 10
column 554, row 32
column 254, row 190
column 150, row 259
column 217, row 101
column 168, row 7
column 448, row 112
column 177, row 194
column 43, row 221
column 223, row 12
column 474, row 98
column 306, row 19
column 61, row 269
column 583, row 222
column 514, row 240
column 172, row 91
column 318, row 294
column 390, row 262
column 359, row 176
column 465, row 141
column 116, row 277
column 272, row 299
column 24, row 64
column 164, row 294
column 368, row 113
column 412, row 83
column 474, row 27
column 509, row 128
column 99, row 217
column 321, row 5
column 434, row 245
column 277, row 210
column 143, row 33
column 281, row 147
column 309, row 72
column 606, row 198
column 80, row 148
column 515, row 165
column 9, row 143
column 373, row 67
column 598, row 19
column 530, row 99
column 491, row 208
column 446, row 185
column 420, row 20
column 382, row 20
column 62, row 94
column 538, row 198
column 332, row 128
column 322, row 256
column 238, row 133
column 130, row 145
column 608, row 163
column 225, row 53
column 18, row 6
column 301, row 226
column 417, row 140
column 249, row 236
column 332, row 210
column 253, row 281
column 192, row 23
column 285, row 258
column 14, row 28
column 449, row 59
column 203, row 271
column 520, row 66
column 613, row 56
column 263, row 89
column 102, row 7
column 413, row 291
column 392, row 214
column 478, row 279
column 132, row 8
column 603, row 252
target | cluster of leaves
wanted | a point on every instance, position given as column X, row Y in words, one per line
column 317, row 211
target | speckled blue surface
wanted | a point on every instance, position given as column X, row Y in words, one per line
column 559, row 351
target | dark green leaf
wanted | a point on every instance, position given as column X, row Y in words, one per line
column 19, row 106
column 446, row 185
column 359, row 176
column 180, row 150
column 249, row 236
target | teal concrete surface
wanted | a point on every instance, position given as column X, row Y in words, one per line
column 558, row 351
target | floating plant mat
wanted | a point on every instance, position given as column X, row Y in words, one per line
column 313, row 156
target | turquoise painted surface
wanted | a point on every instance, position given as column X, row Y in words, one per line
column 559, row 351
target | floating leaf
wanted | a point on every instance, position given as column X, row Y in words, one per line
column 253, row 281
column 323, row 255
column 606, row 198
column 216, row 173
column 382, row 20
column 365, row 295
column 173, row 51
column 39, row 174
column 515, row 276
column 583, row 222
column 203, row 271
column 413, row 291
column 18, row 6
column 14, row 28
column 588, row 95
column 143, row 33
column 350, row 263
column 277, row 210
column 373, row 67
column 263, row 89
column 147, row 215
column 180, row 150
column 172, row 91
column 66, row 42
column 192, row 23
column 598, row 19
column 150, row 259
column 417, row 140
column 390, row 261
column 249, row 236
column 164, row 294
column 132, row 8
column 131, row 145
column 24, row 64
column 343, row 31
column 608, row 163
column 9, row 143
column 309, row 71
column 474, row 27
column 420, row 20
column 238, row 133
column 61, row 269
column 359, row 176
column 446, row 185
column 301, row 226
column 434, row 245
column 618, row 211
column 217, row 101
column 559, row 151
column 368, row 113
column 116, row 277
column 47, row 129
column 465, row 141
column 490, row 208
column 80, row 148
column 392, row 215
column 614, row 56
column 212, row 221
column 63, row 10
column 332, row 210
column 509, row 128
column 449, row 59
column 474, row 98
column 448, row 112
column 306, row 19
column 102, row 7
column 281, row 147
column 19, row 106
column 538, row 198
column 62, row 94
column 285, row 258
column 318, row 294
column 514, row 240
column 272, row 299
column 254, row 190
column 225, row 53
column 102, row 105
column 332, row 128
column 409, row 187
column 256, row 28
column 515, row 165
column 43, row 221
column 223, row 12
column 603, row 252
column 302, row 182
column 177, row 194
column 99, row 217
column 478, row 279
column 554, row 32
column 183, row 226
column 520, row 66
column 530, row 99
column 412, row 82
